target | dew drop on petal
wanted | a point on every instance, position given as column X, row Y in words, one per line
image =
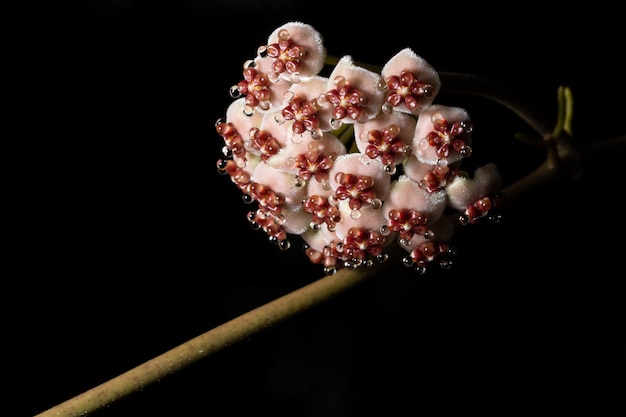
column 288, row 96
column 339, row 81
column 435, row 117
column 394, row 130
column 295, row 78
column 317, row 134
column 466, row 151
column 284, row 35
column 279, row 118
column 428, row 91
column 423, row 144
column 384, row 230
column 364, row 159
column 322, row 101
column 313, row 146
column 273, row 76
column 290, row 163
column 335, row 123
column 355, row 214
column 299, row 182
column 387, row 108
column 376, row 203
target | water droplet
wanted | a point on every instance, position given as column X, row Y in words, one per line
column 295, row 78
column 355, row 214
column 262, row 51
column 234, row 92
column 390, row 169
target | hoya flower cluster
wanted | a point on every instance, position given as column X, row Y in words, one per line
column 353, row 161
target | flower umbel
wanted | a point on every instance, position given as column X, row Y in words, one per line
column 355, row 161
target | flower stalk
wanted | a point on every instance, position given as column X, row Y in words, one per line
column 563, row 162
column 276, row 311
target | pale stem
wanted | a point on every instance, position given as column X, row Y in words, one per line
column 569, row 162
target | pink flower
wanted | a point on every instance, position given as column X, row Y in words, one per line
column 293, row 50
column 355, row 93
column 353, row 162
column 443, row 135
column 477, row 197
column 387, row 138
column 412, row 83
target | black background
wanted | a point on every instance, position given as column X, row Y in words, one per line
column 124, row 241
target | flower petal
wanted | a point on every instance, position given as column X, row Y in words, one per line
column 463, row 191
column 404, row 122
column 440, row 124
column 310, row 43
column 280, row 182
column 406, row 194
column 425, row 82
column 358, row 78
